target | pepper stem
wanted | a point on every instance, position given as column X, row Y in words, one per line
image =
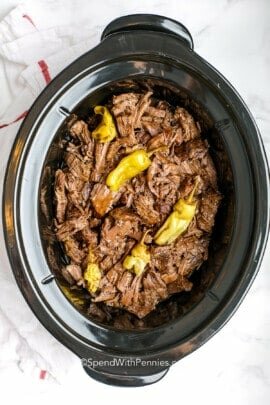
column 143, row 237
column 190, row 198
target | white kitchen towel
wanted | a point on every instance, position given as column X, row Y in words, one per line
column 37, row 40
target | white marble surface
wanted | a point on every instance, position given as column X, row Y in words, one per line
column 234, row 366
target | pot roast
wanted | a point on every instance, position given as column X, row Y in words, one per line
column 99, row 228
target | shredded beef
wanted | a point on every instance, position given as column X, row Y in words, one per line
column 73, row 250
column 103, row 199
column 89, row 216
column 75, row 272
column 71, row 227
column 60, row 196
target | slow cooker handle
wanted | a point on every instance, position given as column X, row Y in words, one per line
column 149, row 22
column 125, row 379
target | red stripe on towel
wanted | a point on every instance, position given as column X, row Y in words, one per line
column 42, row 374
column 29, row 19
column 21, row 116
column 45, row 71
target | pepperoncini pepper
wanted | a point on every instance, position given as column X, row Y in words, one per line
column 129, row 167
column 138, row 259
column 178, row 221
column 92, row 274
column 74, row 296
column 105, row 131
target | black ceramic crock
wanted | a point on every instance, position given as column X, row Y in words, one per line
column 138, row 49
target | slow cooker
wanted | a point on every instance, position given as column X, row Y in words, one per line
column 136, row 50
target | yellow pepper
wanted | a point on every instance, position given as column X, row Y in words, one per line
column 92, row 274
column 129, row 167
column 74, row 296
column 178, row 221
column 138, row 259
column 106, row 130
